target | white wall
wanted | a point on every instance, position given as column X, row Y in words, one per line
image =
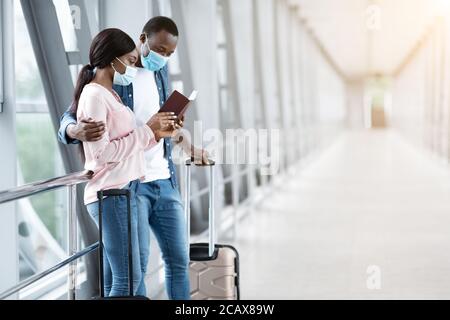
column 355, row 105
column 332, row 97
column 421, row 94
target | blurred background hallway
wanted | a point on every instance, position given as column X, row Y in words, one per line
column 354, row 93
column 340, row 219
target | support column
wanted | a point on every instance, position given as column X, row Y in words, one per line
column 9, row 267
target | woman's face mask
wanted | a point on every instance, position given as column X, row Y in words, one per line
column 126, row 78
column 150, row 59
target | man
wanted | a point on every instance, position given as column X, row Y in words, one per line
column 159, row 200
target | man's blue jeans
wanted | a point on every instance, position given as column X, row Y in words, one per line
column 115, row 240
column 160, row 206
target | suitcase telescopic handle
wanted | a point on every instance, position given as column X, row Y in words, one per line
column 187, row 204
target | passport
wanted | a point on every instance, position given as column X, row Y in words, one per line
column 178, row 103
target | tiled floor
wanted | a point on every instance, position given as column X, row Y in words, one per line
column 369, row 200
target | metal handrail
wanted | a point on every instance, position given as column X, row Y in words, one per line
column 69, row 181
column 45, row 273
column 44, row 186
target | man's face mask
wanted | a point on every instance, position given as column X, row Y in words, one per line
column 150, row 59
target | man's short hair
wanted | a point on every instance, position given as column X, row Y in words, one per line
column 157, row 24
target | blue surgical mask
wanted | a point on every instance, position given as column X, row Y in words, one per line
column 153, row 61
column 124, row 79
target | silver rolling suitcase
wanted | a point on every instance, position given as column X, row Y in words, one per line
column 214, row 268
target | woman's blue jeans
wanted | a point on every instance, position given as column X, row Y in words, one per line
column 115, row 240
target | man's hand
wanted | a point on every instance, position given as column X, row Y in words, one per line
column 87, row 130
column 200, row 155
column 197, row 155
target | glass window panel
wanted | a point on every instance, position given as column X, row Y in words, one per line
column 165, row 8
column 221, row 38
column 222, row 66
column 1, row 69
column 68, row 18
column 93, row 6
column 178, row 85
column 259, row 113
column 74, row 72
column 224, row 103
column 174, row 64
column 42, row 218
column 28, row 83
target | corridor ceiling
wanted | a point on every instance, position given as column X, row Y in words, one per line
column 366, row 37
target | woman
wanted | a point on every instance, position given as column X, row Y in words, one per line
column 117, row 159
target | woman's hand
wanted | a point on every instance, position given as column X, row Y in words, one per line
column 162, row 124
